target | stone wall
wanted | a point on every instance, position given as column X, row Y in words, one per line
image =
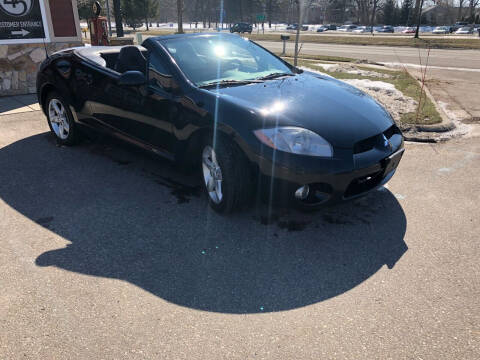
column 19, row 64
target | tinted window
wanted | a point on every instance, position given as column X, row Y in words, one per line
column 157, row 64
column 208, row 59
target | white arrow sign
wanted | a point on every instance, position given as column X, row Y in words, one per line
column 22, row 32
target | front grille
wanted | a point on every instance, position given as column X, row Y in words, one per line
column 366, row 144
column 392, row 130
column 363, row 184
column 376, row 140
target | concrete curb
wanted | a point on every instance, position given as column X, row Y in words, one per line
column 444, row 126
column 426, row 133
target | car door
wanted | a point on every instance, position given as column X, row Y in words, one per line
column 139, row 113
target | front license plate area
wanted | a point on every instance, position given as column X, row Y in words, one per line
column 392, row 161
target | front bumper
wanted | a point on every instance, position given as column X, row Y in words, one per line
column 334, row 180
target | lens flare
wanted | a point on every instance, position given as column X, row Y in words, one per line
column 219, row 50
column 275, row 108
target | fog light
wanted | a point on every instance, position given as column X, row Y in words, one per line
column 302, row 192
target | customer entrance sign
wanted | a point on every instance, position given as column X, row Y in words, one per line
column 22, row 21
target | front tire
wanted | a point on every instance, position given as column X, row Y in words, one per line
column 60, row 119
column 226, row 176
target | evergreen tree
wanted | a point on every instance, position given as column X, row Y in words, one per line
column 406, row 12
column 137, row 12
column 133, row 12
column 389, row 12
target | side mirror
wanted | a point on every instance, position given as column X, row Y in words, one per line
column 132, row 78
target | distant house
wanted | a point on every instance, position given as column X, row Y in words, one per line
column 444, row 14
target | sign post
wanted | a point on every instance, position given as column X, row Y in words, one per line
column 23, row 21
column 260, row 19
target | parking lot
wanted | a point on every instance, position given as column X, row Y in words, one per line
column 108, row 252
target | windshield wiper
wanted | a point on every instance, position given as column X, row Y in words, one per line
column 275, row 75
column 229, row 82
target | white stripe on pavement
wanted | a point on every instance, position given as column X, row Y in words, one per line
column 398, row 64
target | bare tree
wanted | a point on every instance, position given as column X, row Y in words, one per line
column 472, row 5
column 303, row 6
column 180, row 16
column 460, row 8
column 118, row 18
column 372, row 21
column 419, row 17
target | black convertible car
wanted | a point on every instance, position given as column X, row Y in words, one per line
column 228, row 107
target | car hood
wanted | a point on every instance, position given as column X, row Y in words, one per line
column 340, row 113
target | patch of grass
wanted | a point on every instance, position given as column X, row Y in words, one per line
column 378, row 40
column 402, row 81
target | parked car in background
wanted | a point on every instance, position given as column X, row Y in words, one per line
column 241, row 28
column 134, row 25
column 328, row 27
column 222, row 104
column 426, row 29
column 465, row 30
column 347, row 28
column 441, row 30
column 386, row 29
column 409, row 30
column 458, row 25
column 362, row 29
column 295, row 27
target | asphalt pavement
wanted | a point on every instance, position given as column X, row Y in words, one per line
column 108, row 252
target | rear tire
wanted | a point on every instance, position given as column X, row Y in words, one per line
column 60, row 119
column 226, row 175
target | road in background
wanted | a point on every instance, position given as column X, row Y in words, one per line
column 438, row 57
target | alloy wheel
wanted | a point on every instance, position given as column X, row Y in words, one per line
column 212, row 174
column 57, row 115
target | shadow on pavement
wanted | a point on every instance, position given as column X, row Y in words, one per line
column 122, row 216
column 18, row 103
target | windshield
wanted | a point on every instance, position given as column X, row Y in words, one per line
column 210, row 59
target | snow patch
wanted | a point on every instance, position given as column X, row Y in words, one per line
column 385, row 93
column 315, row 71
column 350, row 69
column 456, row 116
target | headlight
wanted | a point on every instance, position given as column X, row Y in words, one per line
column 295, row 140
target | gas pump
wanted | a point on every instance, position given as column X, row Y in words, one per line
column 98, row 27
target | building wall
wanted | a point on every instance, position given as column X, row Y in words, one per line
column 19, row 64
